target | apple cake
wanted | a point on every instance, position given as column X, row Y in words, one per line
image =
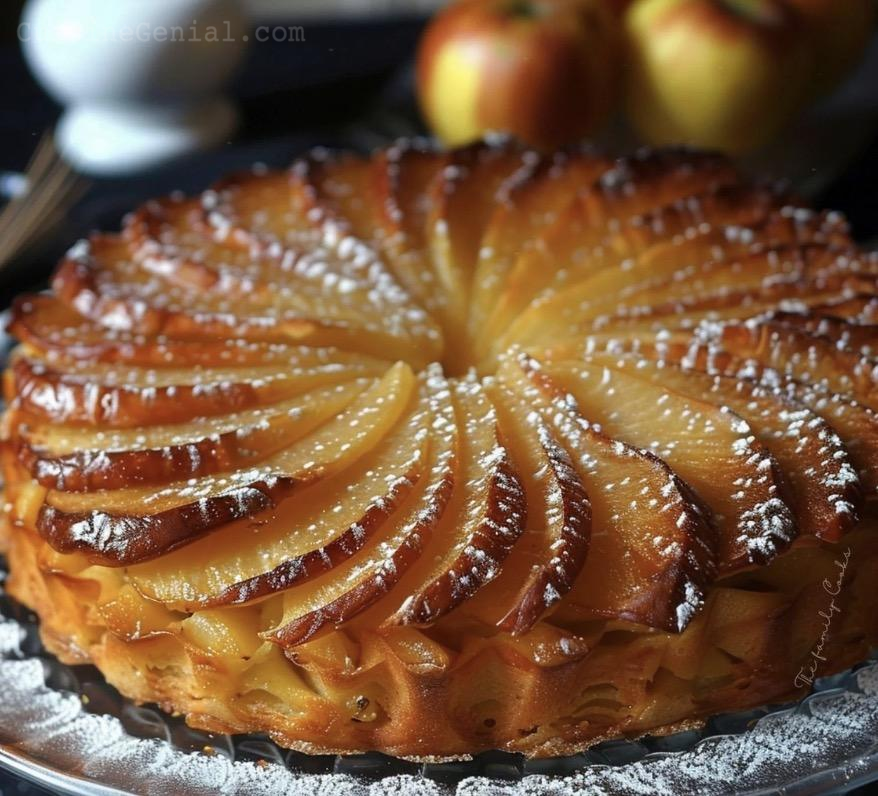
column 439, row 452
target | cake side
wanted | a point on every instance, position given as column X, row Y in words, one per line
column 553, row 693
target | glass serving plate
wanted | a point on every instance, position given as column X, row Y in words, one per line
column 66, row 729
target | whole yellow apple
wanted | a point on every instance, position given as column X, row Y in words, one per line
column 723, row 74
column 545, row 71
column 840, row 31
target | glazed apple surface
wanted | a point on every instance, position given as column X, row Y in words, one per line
column 438, row 452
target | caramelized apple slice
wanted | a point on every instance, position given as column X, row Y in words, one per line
column 652, row 542
column 369, row 581
column 402, row 175
column 336, row 189
column 698, row 269
column 279, row 214
column 254, row 210
column 105, row 284
column 72, row 459
column 803, row 357
column 732, row 306
column 305, row 537
column 636, row 186
column 547, row 559
column 858, row 338
column 58, row 333
column 824, row 486
column 462, row 198
column 728, row 222
column 856, row 424
column 530, row 201
column 104, row 527
column 486, row 520
column 568, row 312
column 122, row 539
column 698, row 440
column 751, row 290
column 324, row 451
column 98, row 279
column 43, row 322
column 858, row 308
column 651, row 178
column 333, row 199
column 109, row 397
column 775, row 272
column 168, row 238
column 311, row 283
column 761, row 221
column 743, row 214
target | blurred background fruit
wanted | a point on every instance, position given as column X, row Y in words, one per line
column 544, row 70
column 722, row 74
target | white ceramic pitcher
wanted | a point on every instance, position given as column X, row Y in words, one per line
column 141, row 80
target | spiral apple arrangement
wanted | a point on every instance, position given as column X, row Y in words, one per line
column 722, row 74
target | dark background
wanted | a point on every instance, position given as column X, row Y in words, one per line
column 346, row 85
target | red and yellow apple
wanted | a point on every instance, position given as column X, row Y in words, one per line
column 723, row 74
column 543, row 70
